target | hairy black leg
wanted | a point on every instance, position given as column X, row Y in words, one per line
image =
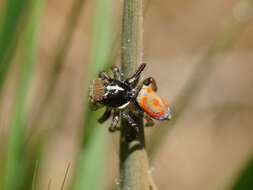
column 135, row 77
column 115, row 121
column 116, row 73
column 105, row 116
column 129, row 119
column 150, row 81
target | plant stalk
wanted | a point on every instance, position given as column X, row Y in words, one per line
column 134, row 164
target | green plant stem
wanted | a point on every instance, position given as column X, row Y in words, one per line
column 134, row 164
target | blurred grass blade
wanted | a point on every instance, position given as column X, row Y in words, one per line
column 245, row 179
column 8, row 33
column 90, row 172
column 15, row 163
column 91, row 166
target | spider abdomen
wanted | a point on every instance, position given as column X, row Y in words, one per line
column 152, row 104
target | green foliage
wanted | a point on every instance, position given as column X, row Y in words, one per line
column 245, row 179
column 91, row 168
column 16, row 166
column 9, row 33
column 19, row 29
column 91, row 164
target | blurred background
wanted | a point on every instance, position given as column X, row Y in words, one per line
column 200, row 53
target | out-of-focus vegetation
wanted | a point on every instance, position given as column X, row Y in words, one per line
column 244, row 179
column 19, row 37
column 50, row 50
column 18, row 162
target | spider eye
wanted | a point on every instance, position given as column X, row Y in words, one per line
column 132, row 94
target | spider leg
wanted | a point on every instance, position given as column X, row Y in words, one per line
column 151, row 81
column 135, row 77
column 129, row 119
column 148, row 121
column 117, row 74
column 115, row 121
column 105, row 116
column 104, row 76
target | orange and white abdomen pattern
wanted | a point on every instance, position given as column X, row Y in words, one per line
column 152, row 104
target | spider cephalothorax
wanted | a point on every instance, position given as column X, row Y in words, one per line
column 117, row 94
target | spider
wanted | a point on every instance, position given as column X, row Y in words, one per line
column 118, row 94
